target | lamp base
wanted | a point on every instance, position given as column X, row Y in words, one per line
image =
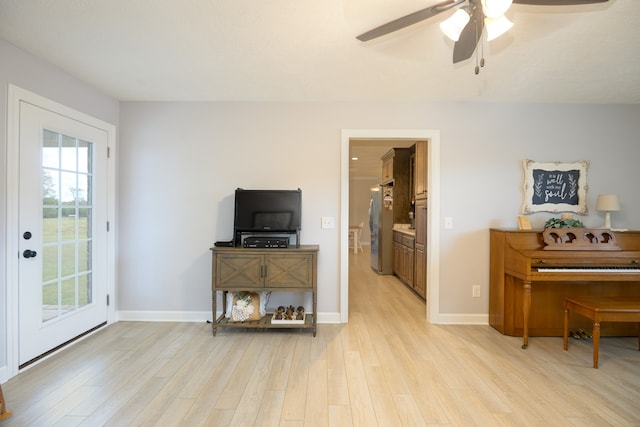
column 607, row 220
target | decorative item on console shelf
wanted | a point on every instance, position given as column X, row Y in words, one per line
column 289, row 315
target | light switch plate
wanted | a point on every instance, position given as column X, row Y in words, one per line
column 448, row 222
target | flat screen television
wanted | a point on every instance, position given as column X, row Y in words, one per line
column 267, row 211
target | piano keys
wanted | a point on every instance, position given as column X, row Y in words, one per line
column 528, row 283
column 590, row 270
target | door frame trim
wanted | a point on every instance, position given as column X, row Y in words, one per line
column 432, row 314
column 15, row 96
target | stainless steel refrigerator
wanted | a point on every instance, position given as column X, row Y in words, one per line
column 381, row 226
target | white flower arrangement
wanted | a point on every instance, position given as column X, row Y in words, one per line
column 243, row 308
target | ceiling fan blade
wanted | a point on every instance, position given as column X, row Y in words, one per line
column 558, row 2
column 471, row 33
column 405, row 21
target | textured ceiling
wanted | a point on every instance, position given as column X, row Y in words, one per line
column 306, row 50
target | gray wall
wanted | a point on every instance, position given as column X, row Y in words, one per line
column 180, row 162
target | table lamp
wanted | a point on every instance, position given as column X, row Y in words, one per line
column 607, row 203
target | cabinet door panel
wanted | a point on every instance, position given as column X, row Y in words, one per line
column 410, row 266
column 289, row 270
column 421, row 222
column 244, row 271
column 397, row 259
column 420, row 282
column 421, row 170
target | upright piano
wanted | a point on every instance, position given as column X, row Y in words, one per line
column 528, row 281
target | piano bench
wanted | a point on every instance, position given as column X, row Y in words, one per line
column 601, row 309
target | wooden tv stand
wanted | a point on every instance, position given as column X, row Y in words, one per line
column 293, row 269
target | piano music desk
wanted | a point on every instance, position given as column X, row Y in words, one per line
column 601, row 309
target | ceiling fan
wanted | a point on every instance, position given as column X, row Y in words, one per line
column 477, row 15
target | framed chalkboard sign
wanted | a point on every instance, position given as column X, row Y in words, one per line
column 555, row 187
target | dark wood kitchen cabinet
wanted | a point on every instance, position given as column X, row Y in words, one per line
column 420, row 170
column 403, row 257
column 396, row 172
column 420, row 278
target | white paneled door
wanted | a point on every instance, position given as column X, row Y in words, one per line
column 62, row 271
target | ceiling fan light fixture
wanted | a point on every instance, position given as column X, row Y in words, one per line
column 453, row 26
column 495, row 8
column 497, row 26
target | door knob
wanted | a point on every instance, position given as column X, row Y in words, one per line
column 29, row 253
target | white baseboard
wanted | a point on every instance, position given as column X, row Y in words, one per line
column 163, row 316
column 462, row 319
column 326, row 317
column 193, row 316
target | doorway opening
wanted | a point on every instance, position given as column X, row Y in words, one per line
column 384, row 138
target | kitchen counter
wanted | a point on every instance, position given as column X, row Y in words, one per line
column 404, row 228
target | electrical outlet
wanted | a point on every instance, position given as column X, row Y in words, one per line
column 475, row 291
column 327, row 222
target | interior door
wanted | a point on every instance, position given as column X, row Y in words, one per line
column 62, row 271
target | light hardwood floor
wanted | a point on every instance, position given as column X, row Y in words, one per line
column 387, row 367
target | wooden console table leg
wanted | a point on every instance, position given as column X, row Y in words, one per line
column 3, row 408
column 526, row 309
column 596, row 342
column 314, row 299
column 565, row 331
column 214, row 308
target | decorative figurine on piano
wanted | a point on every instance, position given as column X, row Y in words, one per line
column 561, row 234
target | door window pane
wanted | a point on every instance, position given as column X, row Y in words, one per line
column 68, row 259
column 84, row 290
column 68, row 296
column 50, row 152
column 50, row 224
column 49, row 263
column 50, row 187
column 84, row 156
column 49, row 301
column 68, row 153
column 84, row 226
column 84, row 255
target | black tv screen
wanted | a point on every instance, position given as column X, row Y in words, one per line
column 267, row 211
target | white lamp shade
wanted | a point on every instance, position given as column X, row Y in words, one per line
column 608, row 203
column 453, row 26
column 497, row 26
column 495, row 8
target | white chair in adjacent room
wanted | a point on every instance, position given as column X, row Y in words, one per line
column 355, row 237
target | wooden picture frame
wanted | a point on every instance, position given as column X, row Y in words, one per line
column 524, row 223
column 555, row 187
